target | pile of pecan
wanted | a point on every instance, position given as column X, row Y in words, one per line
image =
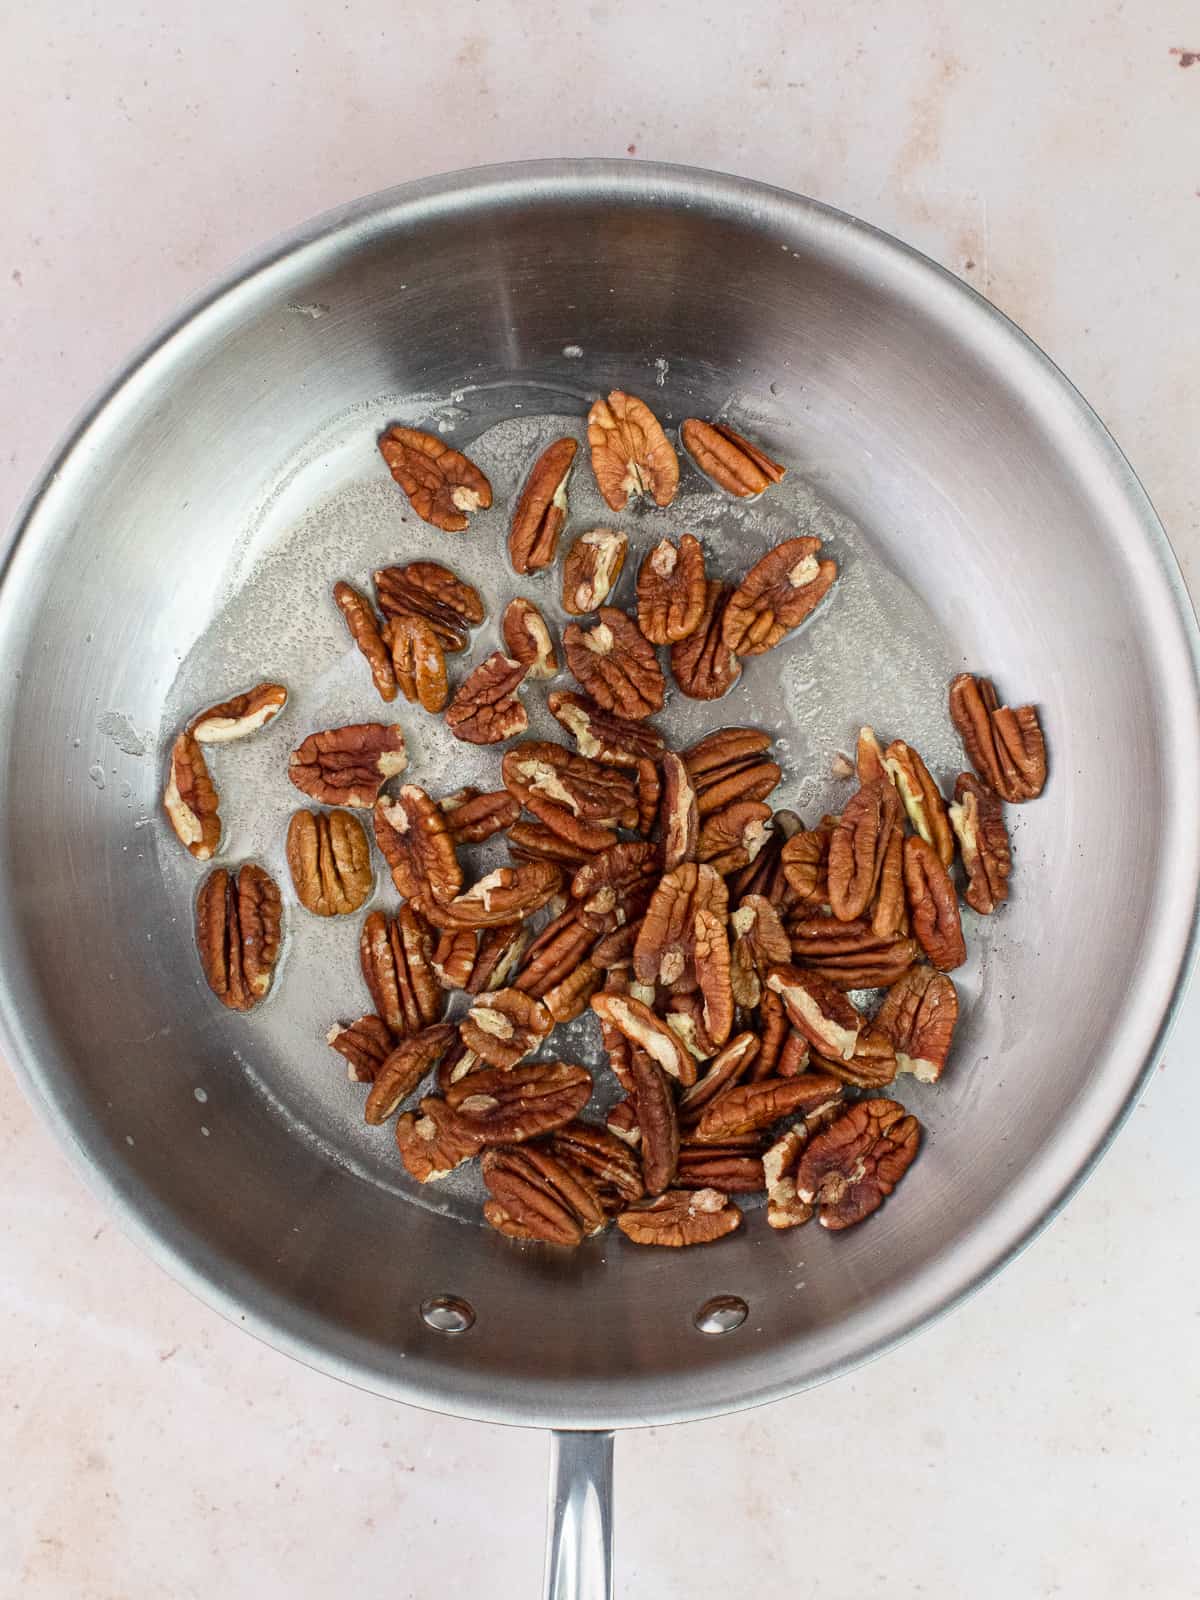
column 716, row 940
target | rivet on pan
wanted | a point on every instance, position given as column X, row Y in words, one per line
column 446, row 1313
column 722, row 1314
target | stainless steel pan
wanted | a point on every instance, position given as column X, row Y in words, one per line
column 980, row 478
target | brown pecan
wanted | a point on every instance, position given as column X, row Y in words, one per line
column 616, row 949
column 621, row 1121
column 681, row 1217
column 805, row 859
column 751, row 1107
column 684, row 1015
column 497, row 956
column 614, row 887
column 933, row 906
column 397, row 965
column 441, row 484
column 671, row 590
column 647, row 1032
column 453, row 958
column 404, row 1067
column 1005, row 746
column 591, row 568
column 779, row 1163
column 537, row 1196
column 527, row 638
column 776, row 595
column 364, row 629
column 728, row 766
column 889, row 913
column 428, row 590
column 486, row 708
column 868, row 760
column 702, row 665
column 509, row 1106
column 414, row 837
column 649, row 794
column 759, row 943
column 238, row 922
column 559, row 786
column 728, row 1068
column 850, row 954
column 710, row 955
column 918, row 1016
column 365, row 1045
column 541, row 509
column 978, row 820
column 796, row 1056
column 822, row 1013
column 666, row 950
column 729, row 1167
column 679, row 820
column 473, row 817
column 921, row 797
column 506, row 895
column 433, row 1140
column 418, row 661
column 731, row 461
column 774, row 1029
column 849, row 1169
column 556, row 952
column 190, row 799
column 631, row 455
column 765, row 874
column 242, row 715
column 731, row 839
column 606, row 1162
column 570, row 997
column 504, row 1026
column 330, row 862
column 616, row 666
column 872, row 1066
column 657, row 1122
column 533, row 841
column 858, row 847
column 348, row 766
column 602, row 736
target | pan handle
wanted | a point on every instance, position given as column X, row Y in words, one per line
column 579, row 1538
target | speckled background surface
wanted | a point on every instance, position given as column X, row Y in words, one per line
column 1043, row 1440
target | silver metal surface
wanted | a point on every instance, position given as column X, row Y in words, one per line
column 978, row 476
column 579, row 1529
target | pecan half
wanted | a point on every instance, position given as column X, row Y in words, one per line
column 872, row 1066
column 759, row 943
column 615, row 886
column 796, row 1056
column 238, row 922
column 869, row 759
column 570, row 997
column 616, row 666
column 442, row 484
column 537, row 1196
column 541, row 509
column 822, row 1013
column 559, row 786
column 773, row 1035
column 850, row 954
column 731, row 461
column 418, row 661
column 434, row 1139
column 848, row 1170
column 728, row 765
column 428, row 590
column 649, row 794
column 858, row 847
column 779, row 1162
column 615, row 949
column 647, row 1032
column 364, row 630
column 703, row 665
column 776, row 595
column 365, row 1045
column 918, row 1016
column 710, row 957
column 921, row 797
column 977, row 818
column 453, row 958
column 889, row 912
column 413, row 835
column 557, row 951
column 805, row 860
column 510, row 1106
column 671, row 590
column 533, row 841
column 190, row 799
column 751, row 1107
column 727, row 1068
column 606, row 1162
column 330, row 862
column 498, row 954
column 657, row 1122
column 728, row 1166
column 602, row 736
column 404, row 1067
column 679, row 820
column 681, row 1217
column 504, row 1026
column 396, row 957
column 348, row 766
column 591, row 568
column 665, row 951
column 621, row 1121
column 933, row 905
column 506, row 895
column 527, row 638
column 485, row 708
column 731, row 839
column 631, row 455
column 472, row 817
column 242, row 715
column 1005, row 746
